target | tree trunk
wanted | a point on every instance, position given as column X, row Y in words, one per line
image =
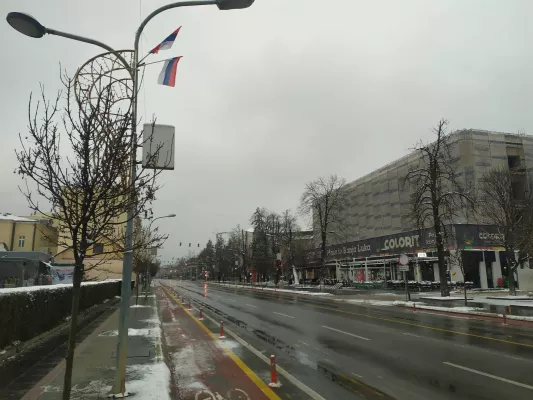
column 137, row 288
column 76, row 292
column 512, row 288
column 322, row 259
column 444, row 290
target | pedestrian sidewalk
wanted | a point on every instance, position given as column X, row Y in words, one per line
column 147, row 375
column 202, row 365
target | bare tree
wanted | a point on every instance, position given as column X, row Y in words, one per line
column 507, row 203
column 324, row 200
column 75, row 161
column 146, row 240
column 289, row 229
column 436, row 198
column 456, row 257
column 238, row 243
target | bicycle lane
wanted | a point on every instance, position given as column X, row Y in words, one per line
column 203, row 367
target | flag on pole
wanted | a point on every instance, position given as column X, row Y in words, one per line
column 167, row 43
column 167, row 76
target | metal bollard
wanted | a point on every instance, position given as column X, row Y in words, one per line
column 222, row 330
column 273, row 373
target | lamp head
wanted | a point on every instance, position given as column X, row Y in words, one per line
column 25, row 24
column 233, row 4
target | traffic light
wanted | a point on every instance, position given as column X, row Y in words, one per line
column 189, row 245
column 180, row 244
column 198, row 244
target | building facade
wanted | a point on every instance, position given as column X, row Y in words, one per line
column 27, row 234
column 377, row 227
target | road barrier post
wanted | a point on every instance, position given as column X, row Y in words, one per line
column 222, row 330
column 505, row 316
column 190, row 308
column 201, row 315
column 273, row 373
column 414, row 306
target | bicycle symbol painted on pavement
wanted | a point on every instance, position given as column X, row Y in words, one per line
column 233, row 394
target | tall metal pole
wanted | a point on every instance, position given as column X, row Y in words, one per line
column 119, row 386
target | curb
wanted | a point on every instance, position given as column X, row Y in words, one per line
column 479, row 316
column 353, row 385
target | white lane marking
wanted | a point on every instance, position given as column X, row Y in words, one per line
column 283, row 372
column 413, row 335
column 307, row 344
column 285, row 315
column 498, row 378
column 251, row 305
column 346, row 333
column 322, row 351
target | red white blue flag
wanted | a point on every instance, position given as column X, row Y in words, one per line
column 167, row 76
column 167, row 43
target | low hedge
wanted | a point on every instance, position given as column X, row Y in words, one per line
column 26, row 314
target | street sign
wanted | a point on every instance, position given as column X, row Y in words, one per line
column 403, row 259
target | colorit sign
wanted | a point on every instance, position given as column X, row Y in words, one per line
column 401, row 242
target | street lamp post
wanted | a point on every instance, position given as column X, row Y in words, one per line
column 155, row 219
column 29, row 26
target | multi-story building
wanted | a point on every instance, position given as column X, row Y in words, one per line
column 28, row 233
column 377, row 227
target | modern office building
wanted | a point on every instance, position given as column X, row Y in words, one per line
column 377, row 228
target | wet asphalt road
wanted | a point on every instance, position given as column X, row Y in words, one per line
column 406, row 355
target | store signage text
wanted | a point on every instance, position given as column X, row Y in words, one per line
column 401, row 242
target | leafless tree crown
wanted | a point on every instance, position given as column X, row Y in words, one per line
column 76, row 160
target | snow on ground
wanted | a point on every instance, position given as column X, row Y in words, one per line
column 444, row 298
column 140, row 306
column 59, row 286
column 149, row 332
column 388, row 294
column 510, row 297
column 466, row 310
column 499, row 302
column 144, row 381
column 189, row 364
column 149, row 381
column 461, row 310
column 370, row 302
column 277, row 290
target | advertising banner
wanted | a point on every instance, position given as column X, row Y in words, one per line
column 62, row 274
column 466, row 236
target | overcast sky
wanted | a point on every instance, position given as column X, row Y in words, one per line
column 271, row 97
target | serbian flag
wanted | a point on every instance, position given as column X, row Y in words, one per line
column 167, row 43
column 167, row 76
